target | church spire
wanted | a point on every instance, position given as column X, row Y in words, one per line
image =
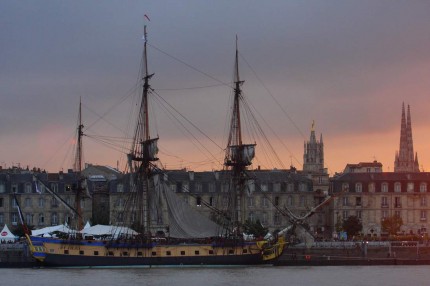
column 404, row 160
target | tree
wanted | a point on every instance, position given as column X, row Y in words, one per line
column 352, row 225
column 392, row 224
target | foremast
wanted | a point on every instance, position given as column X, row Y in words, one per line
column 238, row 155
column 143, row 152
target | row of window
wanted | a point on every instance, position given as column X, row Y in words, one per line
column 384, row 214
column 32, row 219
column 410, row 187
column 28, row 188
column 154, row 253
column 184, row 187
column 384, row 201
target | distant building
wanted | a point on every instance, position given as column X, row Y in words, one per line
column 40, row 208
column 372, row 197
column 405, row 160
column 364, row 167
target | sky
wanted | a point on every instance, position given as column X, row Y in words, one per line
column 346, row 65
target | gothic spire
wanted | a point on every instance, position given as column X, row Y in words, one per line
column 404, row 160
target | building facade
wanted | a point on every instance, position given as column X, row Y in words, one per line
column 39, row 207
column 372, row 197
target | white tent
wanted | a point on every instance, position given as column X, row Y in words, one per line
column 47, row 231
column 108, row 230
column 87, row 225
column 6, row 235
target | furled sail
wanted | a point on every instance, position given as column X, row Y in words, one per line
column 242, row 154
column 183, row 220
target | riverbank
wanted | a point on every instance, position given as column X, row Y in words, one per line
column 357, row 253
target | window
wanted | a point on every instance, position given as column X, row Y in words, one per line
column 14, row 219
column 277, row 218
column 345, row 201
column 384, row 202
column 384, row 214
column 423, row 201
column 358, row 187
column 384, row 187
column 264, row 187
column 120, row 188
column 54, row 187
column 290, row 187
column 250, row 201
column 345, row 215
column 410, row 187
column 423, row 215
column 54, row 202
column 251, row 217
column 41, row 218
column 345, row 187
column 2, row 187
column 211, row 187
column 265, row 202
column 397, row 187
column 302, row 187
column 198, row 187
column 397, row 202
column 371, row 187
column 29, row 219
column 41, row 202
column 28, row 188
column 1, row 202
column 211, row 201
column 14, row 188
column 276, row 187
column 54, row 219
column 1, row 218
column 358, row 201
column 27, row 202
column 398, row 213
column 302, row 201
column 264, row 218
column 185, row 187
column 358, row 214
column 290, row 200
column 276, row 201
column 423, row 187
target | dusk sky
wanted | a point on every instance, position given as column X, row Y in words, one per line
column 347, row 65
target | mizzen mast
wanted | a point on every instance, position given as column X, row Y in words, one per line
column 78, row 169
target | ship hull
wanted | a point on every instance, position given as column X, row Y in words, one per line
column 58, row 260
column 81, row 253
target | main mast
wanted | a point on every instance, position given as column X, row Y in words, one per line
column 144, row 150
column 238, row 155
column 78, row 169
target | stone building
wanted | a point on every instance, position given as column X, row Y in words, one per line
column 40, row 208
column 268, row 193
column 372, row 197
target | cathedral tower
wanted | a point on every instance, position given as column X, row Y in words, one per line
column 313, row 157
column 405, row 160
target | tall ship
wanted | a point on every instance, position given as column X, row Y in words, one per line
column 175, row 233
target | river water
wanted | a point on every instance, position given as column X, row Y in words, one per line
column 222, row 276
